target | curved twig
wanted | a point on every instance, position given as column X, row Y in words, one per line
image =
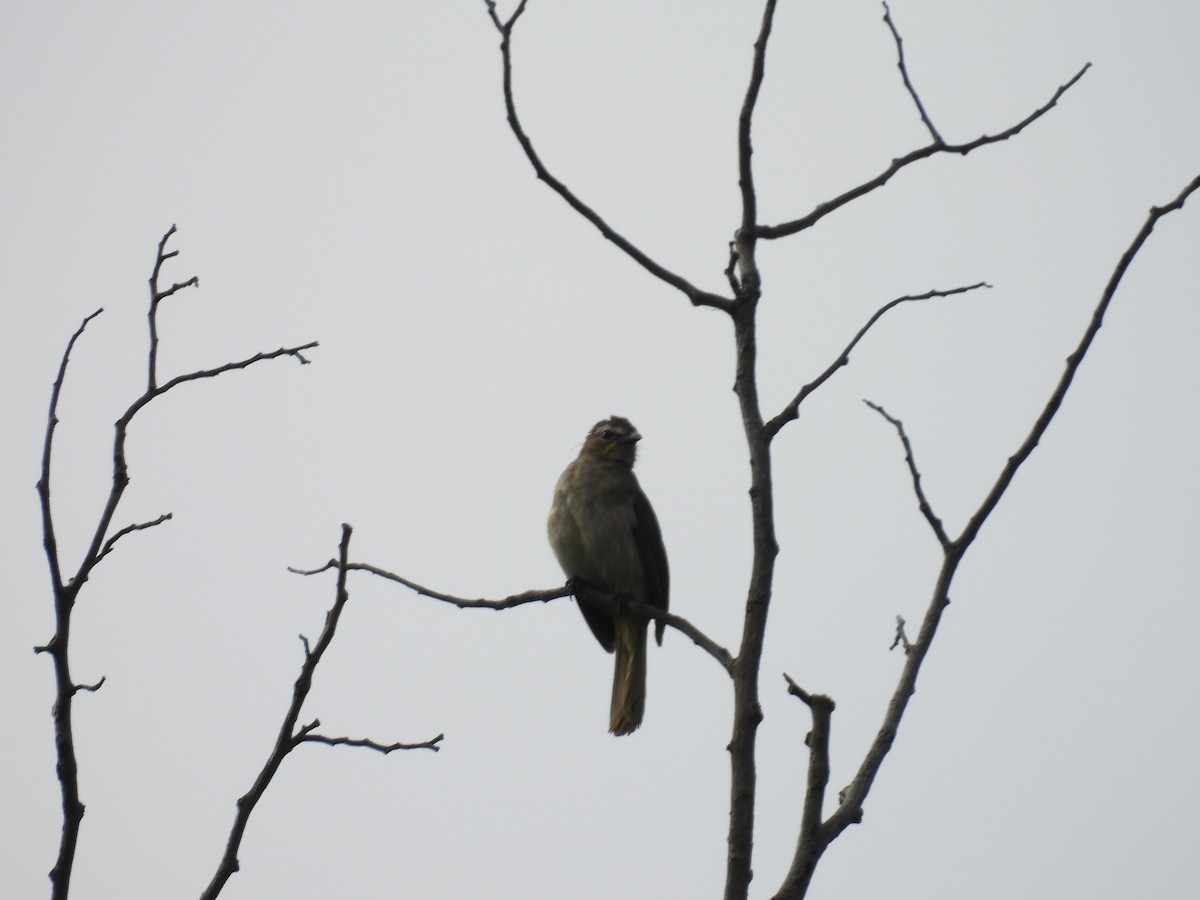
column 697, row 296
column 792, row 410
column 922, row 501
column 772, row 232
column 608, row 602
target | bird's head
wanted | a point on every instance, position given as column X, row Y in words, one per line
column 614, row 438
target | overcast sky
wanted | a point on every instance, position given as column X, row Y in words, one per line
column 346, row 175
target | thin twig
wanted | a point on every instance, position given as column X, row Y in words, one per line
column 43, row 486
column 289, row 736
column 744, row 239
column 792, row 410
column 922, row 501
column 156, row 296
column 608, row 602
column 66, row 590
column 912, row 91
column 128, row 529
column 1072, row 366
column 535, row 596
column 772, row 232
column 618, row 603
column 697, row 296
column 850, row 809
column 308, row 734
column 747, row 708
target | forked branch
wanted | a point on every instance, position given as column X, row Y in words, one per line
column 157, row 295
column 795, row 226
column 792, row 410
column 103, row 541
column 290, row 737
column 607, row 602
column 908, row 85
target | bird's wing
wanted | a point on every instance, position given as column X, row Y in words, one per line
column 653, row 556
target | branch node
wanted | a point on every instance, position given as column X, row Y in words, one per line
column 922, row 501
column 912, row 91
column 901, row 639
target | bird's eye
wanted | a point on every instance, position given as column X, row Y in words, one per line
column 607, row 434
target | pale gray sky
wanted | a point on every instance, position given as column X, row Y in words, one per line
column 348, row 176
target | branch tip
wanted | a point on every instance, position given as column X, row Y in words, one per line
column 901, row 639
column 91, row 688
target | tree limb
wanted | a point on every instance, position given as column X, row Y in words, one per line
column 66, row 590
column 697, row 296
column 785, row 229
column 922, row 501
column 289, row 737
column 912, row 91
column 308, row 734
column 156, row 296
column 850, row 809
column 610, row 603
column 792, row 410
column 128, row 529
column 1072, row 366
column 811, row 842
column 747, row 710
column 64, row 685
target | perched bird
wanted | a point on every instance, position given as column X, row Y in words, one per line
column 605, row 533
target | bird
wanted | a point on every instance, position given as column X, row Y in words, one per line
column 604, row 532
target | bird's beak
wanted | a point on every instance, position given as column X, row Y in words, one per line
column 632, row 438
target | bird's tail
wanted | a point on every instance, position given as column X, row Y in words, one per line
column 629, row 676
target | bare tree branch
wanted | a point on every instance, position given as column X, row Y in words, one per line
column 64, row 693
column 743, row 277
column 850, row 809
column 607, row 602
column 744, row 239
column 308, row 734
column 697, row 296
column 1073, row 362
column 823, row 209
column 614, row 604
column 912, row 91
column 922, row 501
column 156, row 296
column 901, row 638
column 43, row 486
column 91, row 688
column 66, row 590
column 289, row 737
column 747, row 711
column 810, row 843
column 128, row 529
column 792, row 410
